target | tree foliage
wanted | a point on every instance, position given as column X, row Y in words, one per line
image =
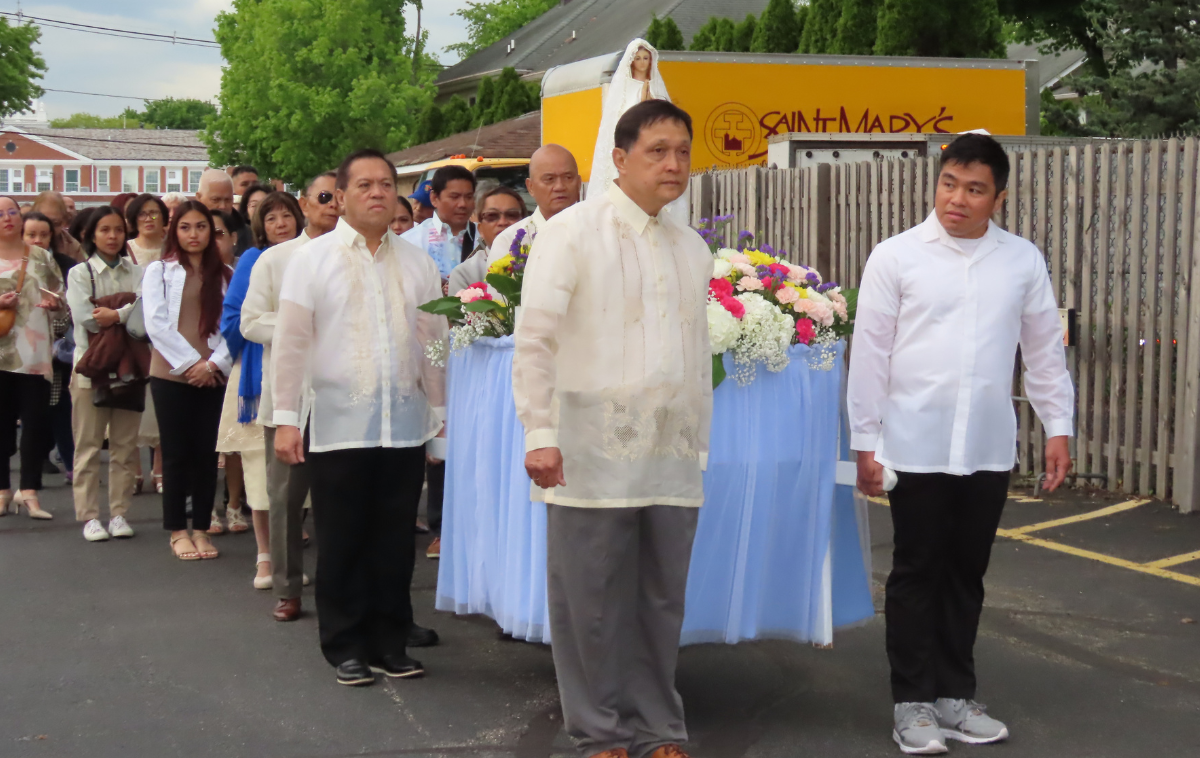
column 946, row 28
column 496, row 100
column 856, row 28
column 1058, row 25
column 185, row 113
column 491, row 21
column 20, row 66
column 92, row 121
column 664, row 33
column 308, row 81
column 743, row 34
column 777, row 30
column 820, row 28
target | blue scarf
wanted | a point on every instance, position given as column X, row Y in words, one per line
column 251, row 353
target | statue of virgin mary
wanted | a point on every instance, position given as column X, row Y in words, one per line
column 635, row 80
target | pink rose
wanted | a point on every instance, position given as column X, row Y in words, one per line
column 822, row 313
column 471, row 294
column 749, row 284
column 787, row 295
column 746, row 269
column 720, row 288
column 805, row 331
column 734, row 306
column 739, row 258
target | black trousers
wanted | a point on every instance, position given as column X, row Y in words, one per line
column 63, row 437
column 435, row 477
column 944, row 529
column 188, row 420
column 364, row 503
column 25, row 397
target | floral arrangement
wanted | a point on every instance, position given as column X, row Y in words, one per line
column 759, row 305
column 473, row 312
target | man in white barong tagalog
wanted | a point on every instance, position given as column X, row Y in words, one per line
column 942, row 310
column 612, row 378
column 348, row 319
column 554, row 184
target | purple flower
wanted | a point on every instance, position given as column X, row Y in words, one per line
column 744, row 234
column 826, row 287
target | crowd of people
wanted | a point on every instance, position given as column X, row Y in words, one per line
column 281, row 338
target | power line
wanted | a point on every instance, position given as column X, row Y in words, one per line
column 113, row 32
column 98, row 94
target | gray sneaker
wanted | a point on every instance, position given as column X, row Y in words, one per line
column 917, row 731
column 967, row 721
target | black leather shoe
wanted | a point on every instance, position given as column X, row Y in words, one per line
column 355, row 673
column 419, row 636
column 398, row 667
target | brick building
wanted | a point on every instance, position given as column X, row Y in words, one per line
column 94, row 165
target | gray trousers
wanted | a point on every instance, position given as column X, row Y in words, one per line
column 615, row 580
column 287, row 488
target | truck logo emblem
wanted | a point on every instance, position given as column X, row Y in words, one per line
column 732, row 133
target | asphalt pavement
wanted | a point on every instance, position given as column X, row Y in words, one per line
column 116, row 649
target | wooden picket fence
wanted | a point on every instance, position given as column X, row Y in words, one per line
column 1117, row 221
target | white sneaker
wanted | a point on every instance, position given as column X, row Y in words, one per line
column 93, row 531
column 119, row 527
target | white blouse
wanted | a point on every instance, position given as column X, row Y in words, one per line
column 935, row 344
column 349, row 319
column 612, row 362
column 162, row 292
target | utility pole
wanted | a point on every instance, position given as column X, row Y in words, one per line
column 417, row 44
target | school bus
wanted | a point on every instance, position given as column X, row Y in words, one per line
column 511, row 172
column 738, row 101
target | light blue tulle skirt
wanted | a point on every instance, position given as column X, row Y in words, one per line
column 780, row 548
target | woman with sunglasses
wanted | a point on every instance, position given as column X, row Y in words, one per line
column 182, row 296
column 31, row 289
column 276, row 220
column 146, row 217
column 499, row 207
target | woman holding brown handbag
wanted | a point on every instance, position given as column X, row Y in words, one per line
column 106, row 272
column 30, row 289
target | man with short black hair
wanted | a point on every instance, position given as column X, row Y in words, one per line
column 942, row 310
column 449, row 235
column 616, row 412
column 348, row 318
column 244, row 177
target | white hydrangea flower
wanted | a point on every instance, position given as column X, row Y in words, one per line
column 723, row 329
column 766, row 336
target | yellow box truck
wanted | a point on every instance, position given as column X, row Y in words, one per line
column 739, row 100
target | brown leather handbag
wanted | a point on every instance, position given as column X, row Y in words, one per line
column 8, row 316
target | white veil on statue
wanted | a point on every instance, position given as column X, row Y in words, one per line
column 623, row 93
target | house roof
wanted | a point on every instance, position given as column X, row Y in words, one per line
column 579, row 29
column 122, row 144
column 515, row 138
column 1051, row 68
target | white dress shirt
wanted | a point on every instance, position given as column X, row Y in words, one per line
column 434, row 237
column 612, row 362
column 110, row 280
column 162, row 292
column 260, row 311
column 502, row 245
column 350, row 320
column 935, row 344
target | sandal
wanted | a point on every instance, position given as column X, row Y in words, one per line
column 158, row 483
column 217, row 528
column 184, row 555
column 6, row 497
column 263, row 582
column 206, row 552
column 237, row 522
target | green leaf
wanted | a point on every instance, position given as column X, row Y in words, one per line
column 482, row 306
column 718, row 369
column 444, row 306
column 507, row 286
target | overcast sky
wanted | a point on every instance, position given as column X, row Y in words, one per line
column 147, row 69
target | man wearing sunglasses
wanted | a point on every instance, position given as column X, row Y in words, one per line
column 287, row 485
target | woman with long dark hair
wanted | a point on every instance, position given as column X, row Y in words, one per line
column 30, row 289
column 277, row 219
column 182, row 297
column 40, row 232
column 107, row 271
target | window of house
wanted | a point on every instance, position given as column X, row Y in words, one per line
column 194, row 180
column 129, row 179
column 45, row 179
column 71, row 180
column 174, row 180
column 152, row 181
column 102, row 180
column 10, row 180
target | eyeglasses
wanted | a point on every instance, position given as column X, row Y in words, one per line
column 324, row 197
column 149, row 216
column 491, row 217
column 219, row 232
column 12, row 213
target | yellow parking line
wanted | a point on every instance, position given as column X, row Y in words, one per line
column 1174, row 561
column 1110, row 510
column 1102, row 558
